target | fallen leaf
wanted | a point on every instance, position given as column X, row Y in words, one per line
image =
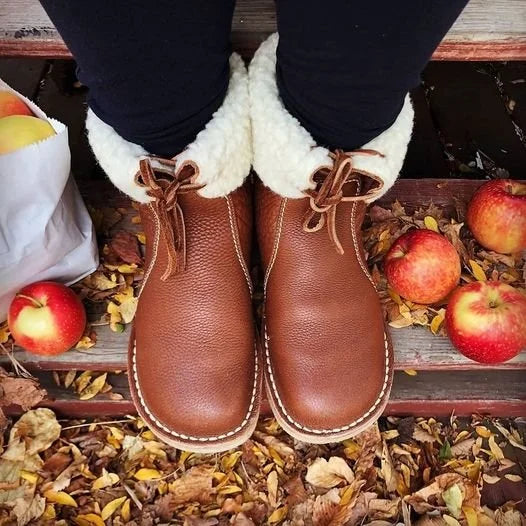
column 60, row 497
column 477, row 271
column 112, row 507
column 126, row 246
column 147, row 474
column 327, row 474
column 106, row 480
column 94, row 388
column 453, row 498
column 431, row 224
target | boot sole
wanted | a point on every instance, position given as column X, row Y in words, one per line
column 327, row 436
column 204, row 445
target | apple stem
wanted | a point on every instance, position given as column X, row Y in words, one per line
column 33, row 300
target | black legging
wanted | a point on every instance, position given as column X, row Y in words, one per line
column 158, row 70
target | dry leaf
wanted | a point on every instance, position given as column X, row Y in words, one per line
column 327, row 474
column 112, row 507
column 94, row 388
column 431, row 224
column 477, row 271
column 60, row 497
column 147, row 474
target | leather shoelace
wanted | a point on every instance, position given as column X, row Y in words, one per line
column 164, row 189
column 325, row 198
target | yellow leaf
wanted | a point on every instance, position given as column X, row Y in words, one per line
column 347, row 496
column 125, row 511
column 278, row 515
column 395, row 296
column 410, row 372
column 483, row 431
column 83, row 380
column 94, row 388
column 450, row 521
column 148, row 435
column 431, row 224
column 229, row 461
column 31, row 477
column 60, row 497
column 85, row 343
column 229, row 489
column 471, row 516
column 89, row 519
column 70, row 377
column 49, row 512
column 117, row 433
column 106, row 480
column 495, row 449
column 477, row 271
column 453, row 498
column 112, row 507
column 4, row 332
column 436, row 322
column 147, row 474
column 141, row 236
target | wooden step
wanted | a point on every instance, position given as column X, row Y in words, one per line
column 486, row 30
column 491, row 392
column 415, row 347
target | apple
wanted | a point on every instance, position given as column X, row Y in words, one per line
column 486, row 321
column 17, row 131
column 497, row 215
column 46, row 318
column 422, row 266
column 10, row 104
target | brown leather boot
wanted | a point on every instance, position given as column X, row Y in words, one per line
column 328, row 357
column 193, row 362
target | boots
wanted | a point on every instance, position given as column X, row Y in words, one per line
column 193, row 363
column 328, row 357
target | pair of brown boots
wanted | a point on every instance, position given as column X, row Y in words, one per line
column 196, row 361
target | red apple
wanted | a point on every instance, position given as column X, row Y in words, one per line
column 46, row 318
column 497, row 215
column 486, row 321
column 422, row 266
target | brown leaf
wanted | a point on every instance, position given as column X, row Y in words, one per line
column 126, row 246
column 295, row 491
column 194, row 486
column 23, row 392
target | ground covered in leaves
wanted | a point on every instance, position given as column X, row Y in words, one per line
column 406, row 471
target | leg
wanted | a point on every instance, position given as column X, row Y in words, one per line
column 346, row 81
column 162, row 82
column 331, row 123
column 140, row 61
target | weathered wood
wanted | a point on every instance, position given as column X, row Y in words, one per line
column 415, row 347
column 496, row 393
column 486, row 30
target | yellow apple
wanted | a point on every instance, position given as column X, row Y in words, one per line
column 10, row 104
column 17, row 131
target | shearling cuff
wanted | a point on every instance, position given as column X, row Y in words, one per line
column 222, row 151
column 286, row 155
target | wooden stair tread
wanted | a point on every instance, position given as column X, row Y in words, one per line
column 486, row 30
column 415, row 347
column 496, row 393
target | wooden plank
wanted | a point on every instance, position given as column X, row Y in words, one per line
column 471, row 117
column 486, row 30
column 415, row 347
column 437, row 394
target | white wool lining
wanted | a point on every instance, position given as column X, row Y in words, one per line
column 286, row 155
column 222, row 151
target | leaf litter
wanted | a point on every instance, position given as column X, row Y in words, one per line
column 397, row 472
column 384, row 225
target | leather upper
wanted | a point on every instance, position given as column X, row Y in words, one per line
column 328, row 356
column 193, row 358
